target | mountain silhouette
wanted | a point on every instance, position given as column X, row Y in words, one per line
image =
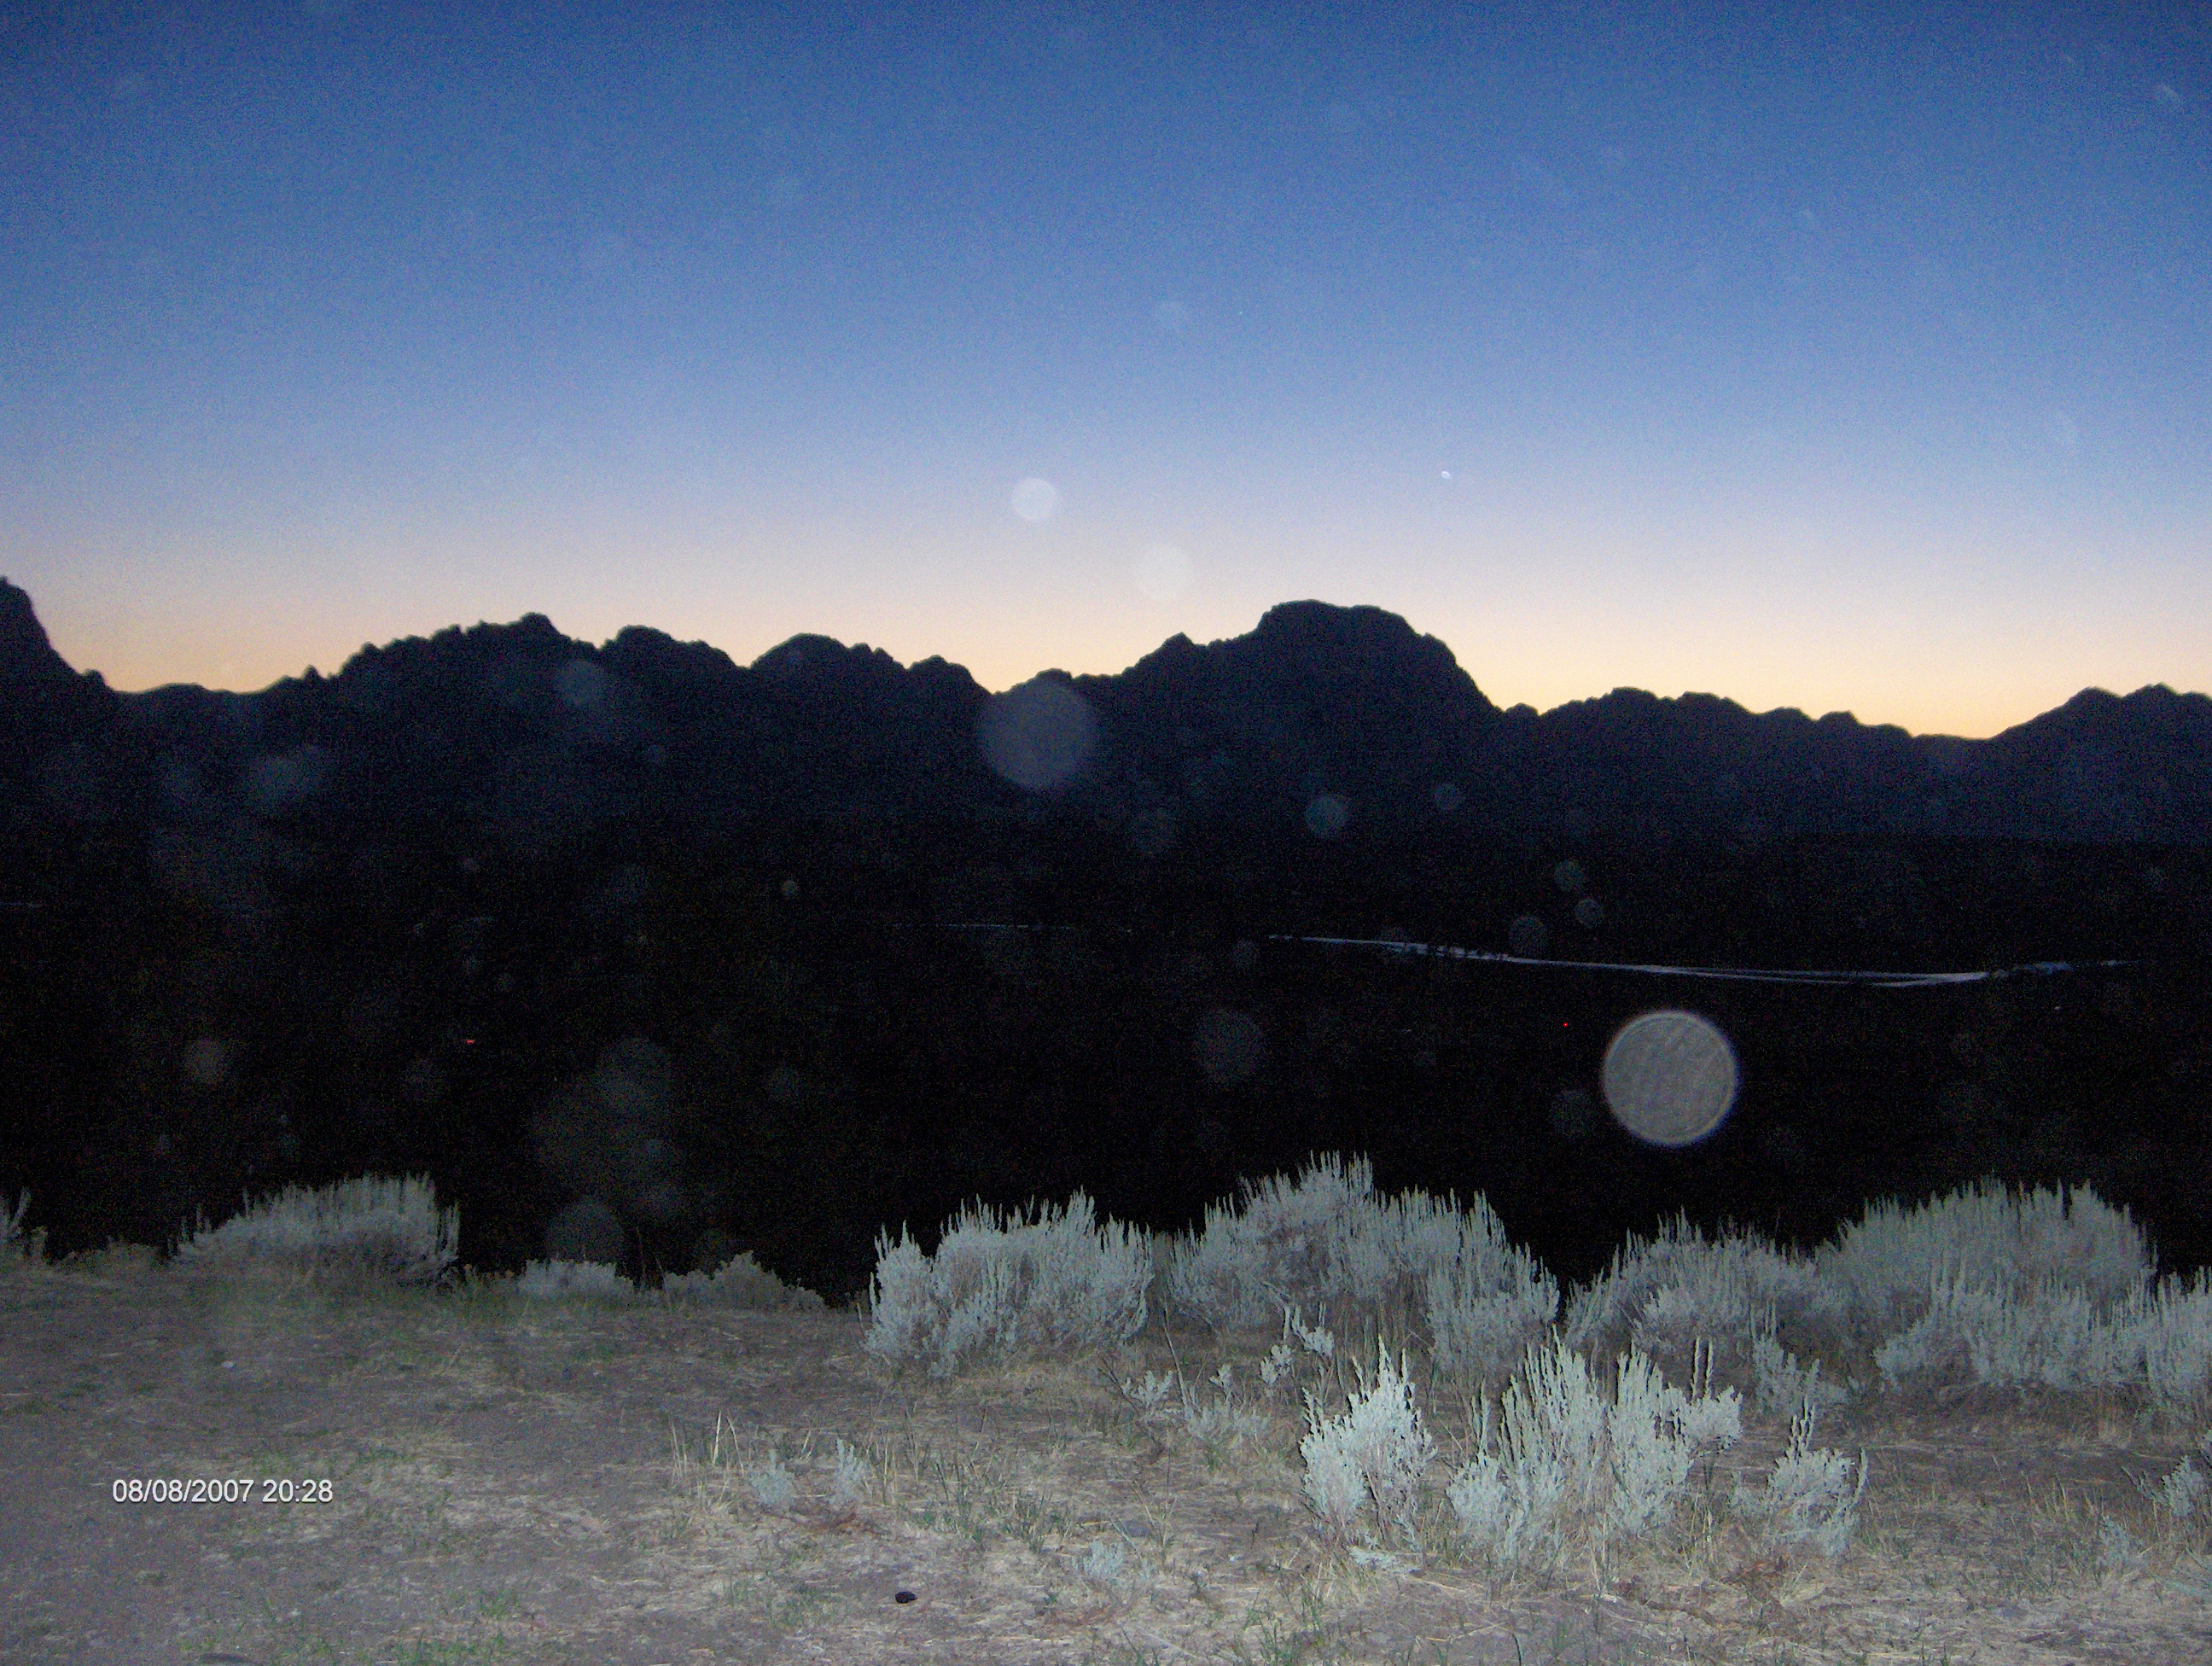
column 398, row 918
column 70, row 749
column 1324, row 722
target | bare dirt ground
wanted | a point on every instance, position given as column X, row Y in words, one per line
column 425, row 1479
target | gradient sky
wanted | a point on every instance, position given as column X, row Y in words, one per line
column 1836, row 358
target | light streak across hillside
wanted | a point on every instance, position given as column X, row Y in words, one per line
column 1743, row 974
column 1880, row 980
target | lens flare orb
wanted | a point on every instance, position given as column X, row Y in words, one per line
column 1671, row 1078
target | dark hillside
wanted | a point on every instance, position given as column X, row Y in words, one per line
column 788, row 953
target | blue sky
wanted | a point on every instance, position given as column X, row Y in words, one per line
column 1847, row 358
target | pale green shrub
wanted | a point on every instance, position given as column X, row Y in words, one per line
column 1748, row 1304
column 1884, row 1267
column 1571, row 1460
column 1375, row 1453
column 1803, row 1486
column 2174, row 1328
column 2004, row 1336
column 390, row 1229
column 1103, row 1563
column 2181, row 1494
column 1327, row 1240
column 1004, row 1284
column 740, row 1282
column 851, row 1477
column 555, row 1281
column 1483, row 1313
column 772, row 1485
column 1217, row 1425
column 2054, row 1335
column 1573, row 1463
column 1246, row 1263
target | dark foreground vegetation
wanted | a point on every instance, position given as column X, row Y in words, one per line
column 660, row 1054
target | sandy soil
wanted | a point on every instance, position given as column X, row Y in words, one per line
column 405, row 1478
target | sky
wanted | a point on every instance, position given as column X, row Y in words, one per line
column 1847, row 358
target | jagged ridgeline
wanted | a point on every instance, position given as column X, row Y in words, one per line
column 1325, row 721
